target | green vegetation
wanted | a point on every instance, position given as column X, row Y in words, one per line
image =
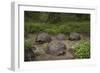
column 57, row 28
column 82, row 50
column 27, row 44
column 54, row 23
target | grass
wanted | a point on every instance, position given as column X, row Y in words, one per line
column 74, row 26
column 82, row 50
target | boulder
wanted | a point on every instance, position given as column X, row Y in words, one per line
column 56, row 48
column 43, row 38
column 39, row 50
column 74, row 36
column 61, row 37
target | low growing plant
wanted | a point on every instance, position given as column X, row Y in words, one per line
column 82, row 50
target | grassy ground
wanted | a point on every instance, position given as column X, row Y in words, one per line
column 79, row 26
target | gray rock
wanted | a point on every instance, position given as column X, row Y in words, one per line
column 74, row 36
column 61, row 37
column 56, row 48
column 43, row 38
column 39, row 50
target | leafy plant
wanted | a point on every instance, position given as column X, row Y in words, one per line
column 82, row 50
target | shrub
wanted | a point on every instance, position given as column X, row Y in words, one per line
column 82, row 50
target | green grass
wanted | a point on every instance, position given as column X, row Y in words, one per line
column 81, row 26
column 82, row 50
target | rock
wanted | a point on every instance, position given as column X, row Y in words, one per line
column 56, row 48
column 38, row 51
column 74, row 36
column 29, row 55
column 43, row 38
column 61, row 37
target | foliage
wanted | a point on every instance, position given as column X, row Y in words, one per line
column 82, row 50
column 27, row 44
column 52, row 22
column 57, row 28
column 54, row 17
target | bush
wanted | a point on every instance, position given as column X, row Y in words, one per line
column 82, row 50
